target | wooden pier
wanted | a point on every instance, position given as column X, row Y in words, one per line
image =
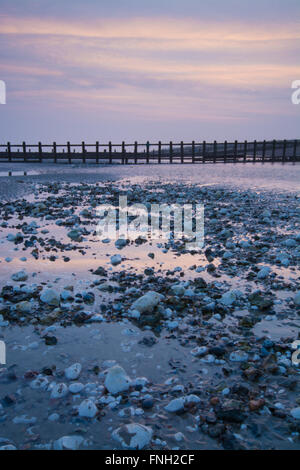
column 150, row 153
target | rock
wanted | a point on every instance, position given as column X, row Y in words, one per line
column 263, row 303
column 120, row 243
column 290, row 243
column 263, row 273
column 297, row 299
column 8, row 447
column 73, row 372
column 11, row 237
column 66, row 295
column 87, row 409
column 50, row 297
column 255, row 405
column 295, row 412
column 191, row 399
column 147, row 302
column 68, row 443
column 231, row 411
column 116, row 380
column 228, row 298
column 100, row 271
column 147, row 403
column 76, row 387
column 116, row 259
column 175, row 405
column 24, row 419
column 24, row 307
column 75, row 235
column 88, row 297
column 40, row 383
column 133, row 436
column 59, row 391
column 20, row 276
column 50, row 340
column 199, row 351
column 178, row 290
column 238, row 356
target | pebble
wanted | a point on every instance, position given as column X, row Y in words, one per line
column 133, row 436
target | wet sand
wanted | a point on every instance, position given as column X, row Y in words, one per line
column 219, row 341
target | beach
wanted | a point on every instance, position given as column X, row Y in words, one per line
column 142, row 343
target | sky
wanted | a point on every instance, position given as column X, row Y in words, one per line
column 149, row 70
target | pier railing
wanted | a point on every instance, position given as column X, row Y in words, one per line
column 171, row 152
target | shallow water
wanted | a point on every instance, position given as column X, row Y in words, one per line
column 170, row 356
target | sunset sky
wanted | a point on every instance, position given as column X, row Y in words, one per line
column 149, row 70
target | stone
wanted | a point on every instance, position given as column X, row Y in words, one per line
column 228, row 298
column 87, row 409
column 295, row 412
column 147, row 302
column 40, row 383
column 50, row 297
column 175, row 405
column 133, row 436
column 178, row 289
column 59, row 391
column 24, row 306
column 116, row 259
column 73, row 372
column 116, row 380
column 238, row 356
column 75, row 235
column 76, row 387
column 20, row 276
column 147, row 403
column 263, row 273
column 66, row 295
column 297, row 299
column 120, row 243
column 68, row 443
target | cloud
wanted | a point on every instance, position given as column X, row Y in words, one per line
column 168, row 69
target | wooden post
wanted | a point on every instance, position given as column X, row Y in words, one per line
column 203, row 151
column 225, row 151
column 273, row 150
column 235, row 150
column 284, row 151
column 69, row 151
column 135, row 152
column 295, row 151
column 171, row 152
column 254, row 151
column 147, row 150
column 181, row 152
column 54, row 152
column 9, row 151
column 159, row 152
column 245, row 150
column 264, row 151
column 40, row 151
column 110, row 152
column 97, row 152
column 123, row 152
column 193, row 151
column 83, row 151
column 24, row 151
